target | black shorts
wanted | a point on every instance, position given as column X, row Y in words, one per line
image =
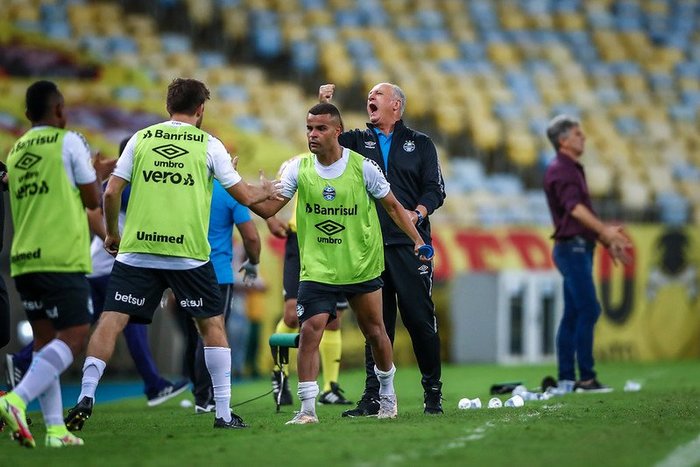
column 62, row 297
column 315, row 297
column 137, row 291
column 292, row 268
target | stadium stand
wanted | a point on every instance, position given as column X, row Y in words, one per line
column 483, row 77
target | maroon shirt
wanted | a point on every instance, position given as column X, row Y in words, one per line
column 565, row 187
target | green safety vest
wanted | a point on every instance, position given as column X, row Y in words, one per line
column 340, row 240
column 51, row 231
column 171, row 188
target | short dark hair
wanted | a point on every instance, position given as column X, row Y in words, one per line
column 185, row 95
column 122, row 145
column 39, row 98
column 559, row 126
column 327, row 109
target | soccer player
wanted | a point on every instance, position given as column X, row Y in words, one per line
column 169, row 166
column 225, row 213
column 330, row 348
column 52, row 180
column 409, row 160
column 341, row 250
column 156, row 388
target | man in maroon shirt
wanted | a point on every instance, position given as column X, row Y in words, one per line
column 576, row 229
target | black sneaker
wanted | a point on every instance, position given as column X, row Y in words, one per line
column 334, row 396
column 592, row 385
column 167, row 393
column 285, row 398
column 368, row 406
column 235, row 423
column 432, row 399
column 79, row 414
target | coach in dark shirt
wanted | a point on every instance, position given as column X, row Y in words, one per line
column 409, row 160
column 576, row 230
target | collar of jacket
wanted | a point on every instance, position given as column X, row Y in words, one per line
column 398, row 126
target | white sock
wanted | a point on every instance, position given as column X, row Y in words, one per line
column 307, row 392
column 218, row 360
column 386, row 380
column 93, row 369
column 47, row 366
column 51, row 403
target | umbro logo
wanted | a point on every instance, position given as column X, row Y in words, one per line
column 170, row 151
column 27, row 161
column 330, row 227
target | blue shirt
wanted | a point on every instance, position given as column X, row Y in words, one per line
column 384, row 145
column 225, row 212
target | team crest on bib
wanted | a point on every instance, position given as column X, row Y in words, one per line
column 328, row 193
column 300, row 310
column 409, row 146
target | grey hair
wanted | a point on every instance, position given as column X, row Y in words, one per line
column 400, row 96
column 558, row 127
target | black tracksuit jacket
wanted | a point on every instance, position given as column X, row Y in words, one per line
column 413, row 172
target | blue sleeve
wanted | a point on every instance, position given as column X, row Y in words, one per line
column 125, row 197
column 241, row 213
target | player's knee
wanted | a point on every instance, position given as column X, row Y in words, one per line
column 291, row 321
column 374, row 335
column 75, row 338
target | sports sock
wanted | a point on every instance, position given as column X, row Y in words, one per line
column 93, row 369
column 330, row 349
column 282, row 328
column 218, row 360
column 47, row 366
column 307, row 392
column 386, row 380
column 51, row 402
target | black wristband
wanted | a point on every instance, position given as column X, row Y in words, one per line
column 420, row 216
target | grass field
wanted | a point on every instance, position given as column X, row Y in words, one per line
column 616, row 429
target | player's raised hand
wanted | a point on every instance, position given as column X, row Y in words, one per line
column 325, row 92
column 273, row 188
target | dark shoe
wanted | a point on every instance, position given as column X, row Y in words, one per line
column 280, row 389
column 432, row 399
column 548, row 382
column 79, row 414
column 334, row 396
column 592, row 385
column 167, row 393
column 235, row 423
column 368, row 406
column 204, row 407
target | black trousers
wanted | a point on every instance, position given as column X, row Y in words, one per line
column 5, row 331
column 408, row 282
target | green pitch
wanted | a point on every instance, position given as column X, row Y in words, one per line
column 617, row 429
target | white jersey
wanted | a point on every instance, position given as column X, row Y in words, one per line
column 77, row 158
column 219, row 165
column 375, row 181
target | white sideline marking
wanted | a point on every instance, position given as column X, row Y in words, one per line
column 456, row 443
column 685, row 455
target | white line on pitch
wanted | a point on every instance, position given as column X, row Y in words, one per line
column 686, row 455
